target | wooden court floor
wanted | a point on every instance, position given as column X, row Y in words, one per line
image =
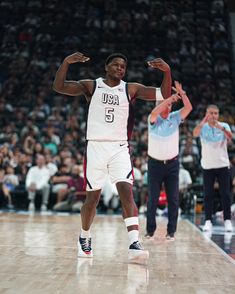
column 39, row 255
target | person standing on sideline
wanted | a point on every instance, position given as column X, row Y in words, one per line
column 215, row 163
column 109, row 126
column 163, row 163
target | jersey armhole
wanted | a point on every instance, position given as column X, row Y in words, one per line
column 126, row 88
column 94, row 87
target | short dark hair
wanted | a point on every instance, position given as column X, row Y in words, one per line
column 115, row 55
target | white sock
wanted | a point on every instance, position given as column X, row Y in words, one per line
column 85, row 234
column 133, row 236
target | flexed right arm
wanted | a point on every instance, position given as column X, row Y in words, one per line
column 72, row 88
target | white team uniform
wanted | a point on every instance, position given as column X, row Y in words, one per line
column 109, row 126
column 108, row 113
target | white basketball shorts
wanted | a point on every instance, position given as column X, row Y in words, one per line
column 102, row 158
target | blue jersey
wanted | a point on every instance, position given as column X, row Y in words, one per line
column 163, row 136
column 214, row 147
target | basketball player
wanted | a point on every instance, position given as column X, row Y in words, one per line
column 109, row 126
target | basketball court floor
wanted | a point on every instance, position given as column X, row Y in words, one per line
column 39, row 255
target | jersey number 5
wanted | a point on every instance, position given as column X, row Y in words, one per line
column 109, row 114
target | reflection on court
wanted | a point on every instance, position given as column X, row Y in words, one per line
column 39, row 255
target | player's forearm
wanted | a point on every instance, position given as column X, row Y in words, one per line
column 58, row 84
column 166, row 84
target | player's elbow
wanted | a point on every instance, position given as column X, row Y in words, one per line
column 57, row 88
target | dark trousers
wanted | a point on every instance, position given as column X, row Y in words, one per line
column 223, row 177
column 159, row 173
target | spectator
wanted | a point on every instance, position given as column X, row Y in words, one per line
column 59, row 181
column 74, row 193
column 37, row 180
column 9, row 183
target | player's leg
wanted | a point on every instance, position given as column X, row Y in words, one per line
column 94, row 173
column 136, row 253
column 88, row 212
column 120, row 170
column 129, row 207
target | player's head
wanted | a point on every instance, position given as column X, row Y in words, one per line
column 115, row 55
column 213, row 111
column 115, row 66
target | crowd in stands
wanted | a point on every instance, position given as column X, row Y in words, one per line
column 35, row 35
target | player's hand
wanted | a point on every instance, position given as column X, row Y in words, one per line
column 178, row 88
column 76, row 57
column 159, row 63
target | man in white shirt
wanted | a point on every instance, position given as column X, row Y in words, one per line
column 215, row 163
column 37, row 180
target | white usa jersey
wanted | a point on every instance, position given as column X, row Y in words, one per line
column 110, row 113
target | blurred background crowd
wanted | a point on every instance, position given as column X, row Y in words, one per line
column 192, row 36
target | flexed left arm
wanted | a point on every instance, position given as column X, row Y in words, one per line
column 150, row 93
column 160, row 64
